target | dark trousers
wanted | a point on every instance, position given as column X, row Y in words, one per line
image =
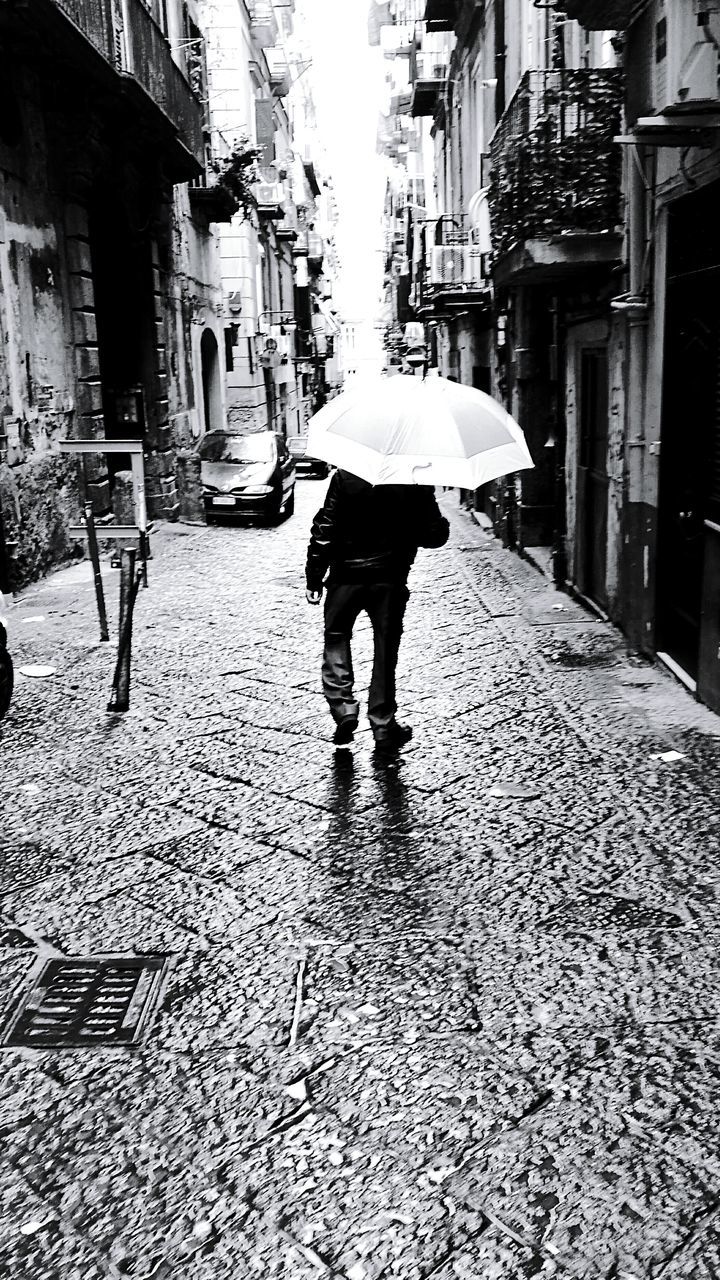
column 384, row 604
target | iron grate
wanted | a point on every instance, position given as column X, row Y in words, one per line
column 98, row 1000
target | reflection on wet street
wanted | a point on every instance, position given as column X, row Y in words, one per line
column 450, row 1013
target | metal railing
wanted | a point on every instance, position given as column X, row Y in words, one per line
column 449, row 265
column 428, row 66
column 139, row 49
column 555, row 167
column 96, row 23
column 152, row 65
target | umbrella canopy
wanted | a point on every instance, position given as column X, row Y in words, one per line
column 408, row 430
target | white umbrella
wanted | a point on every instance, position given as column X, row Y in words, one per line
column 408, row 430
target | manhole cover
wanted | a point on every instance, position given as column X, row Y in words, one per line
column 607, row 912
column 94, row 1001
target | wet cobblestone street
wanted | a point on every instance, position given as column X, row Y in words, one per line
column 453, row 1016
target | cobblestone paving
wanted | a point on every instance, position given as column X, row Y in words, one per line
column 453, row 1017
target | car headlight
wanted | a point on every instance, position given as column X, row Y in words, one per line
column 255, row 490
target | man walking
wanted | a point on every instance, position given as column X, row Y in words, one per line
column 367, row 537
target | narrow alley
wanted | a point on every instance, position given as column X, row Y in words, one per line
column 450, row 1015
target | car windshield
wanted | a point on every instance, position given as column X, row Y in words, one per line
column 217, row 447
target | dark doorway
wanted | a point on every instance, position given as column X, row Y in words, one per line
column 210, row 362
column 592, row 475
column 124, row 311
column 690, row 425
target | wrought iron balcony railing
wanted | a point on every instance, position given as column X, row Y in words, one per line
column 555, row 169
column 139, row 52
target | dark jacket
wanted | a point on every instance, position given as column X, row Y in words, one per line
column 367, row 533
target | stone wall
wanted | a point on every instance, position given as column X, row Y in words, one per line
column 39, row 499
column 63, row 179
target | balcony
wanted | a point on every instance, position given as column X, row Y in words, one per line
column 440, row 15
column 452, row 273
column 428, row 76
column 289, row 228
column 604, row 15
column 556, row 175
column 135, row 59
column 263, row 23
column 279, row 72
column 213, row 200
column 269, row 196
column 316, row 249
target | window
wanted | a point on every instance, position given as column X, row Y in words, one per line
column 661, row 39
column 218, row 446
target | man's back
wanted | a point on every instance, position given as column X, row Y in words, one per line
column 365, row 532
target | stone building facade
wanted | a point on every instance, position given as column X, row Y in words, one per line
column 573, row 271
column 109, row 281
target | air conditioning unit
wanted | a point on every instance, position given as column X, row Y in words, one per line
column 685, row 70
column 449, row 264
column 697, row 81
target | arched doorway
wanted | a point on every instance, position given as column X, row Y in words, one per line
column 210, row 364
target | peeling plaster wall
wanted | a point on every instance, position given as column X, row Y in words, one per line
column 195, row 304
column 53, row 175
column 38, row 489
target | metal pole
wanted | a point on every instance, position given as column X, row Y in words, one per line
column 95, row 558
column 138, row 476
column 120, row 697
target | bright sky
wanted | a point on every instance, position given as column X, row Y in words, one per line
column 347, row 77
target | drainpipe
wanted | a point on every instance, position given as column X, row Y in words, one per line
column 637, row 554
column 500, row 58
column 556, row 442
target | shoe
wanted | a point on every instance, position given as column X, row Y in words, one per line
column 392, row 735
column 345, row 731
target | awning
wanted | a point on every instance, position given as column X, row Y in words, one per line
column 479, row 219
column 702, row 129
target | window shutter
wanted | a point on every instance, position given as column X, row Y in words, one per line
column 265, row 129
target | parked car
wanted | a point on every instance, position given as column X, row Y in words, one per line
column 304, row 464
column 6, row 666
column 250, row 474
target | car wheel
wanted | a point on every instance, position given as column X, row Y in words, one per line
column 290, row 504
